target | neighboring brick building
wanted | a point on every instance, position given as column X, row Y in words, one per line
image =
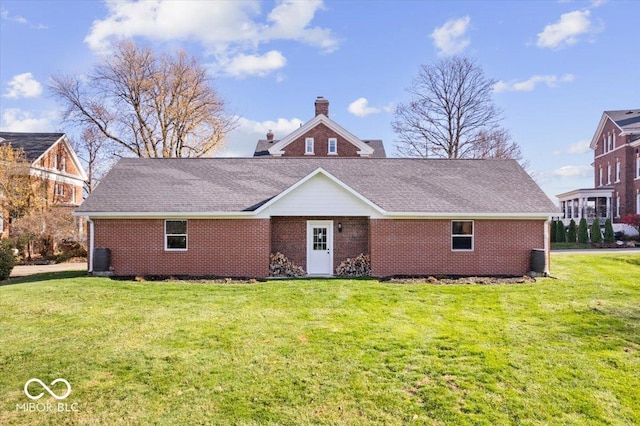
column 224, row 216
column 52, row 161
column 616, row 191
column 319, row 137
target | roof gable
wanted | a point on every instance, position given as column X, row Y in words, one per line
column 278, row 148
column 627, row 121
column 34, row 145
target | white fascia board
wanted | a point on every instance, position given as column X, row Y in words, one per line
column 457, row 215
column 603, row 121
column 165, row 215
column 74, row 158
column 277, row 149
column 55, row 175
column 317, row 171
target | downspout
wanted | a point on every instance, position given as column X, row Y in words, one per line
column 91, row 244
column 547, row 249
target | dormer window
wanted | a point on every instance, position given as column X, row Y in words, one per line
column 333, row 146
column 308, row 146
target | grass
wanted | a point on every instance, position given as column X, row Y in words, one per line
column 560, row 351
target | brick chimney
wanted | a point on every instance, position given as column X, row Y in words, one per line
column 270, row 136
column 322, row 106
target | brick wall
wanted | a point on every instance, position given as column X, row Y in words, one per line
column 220, row 247
column 423, row 247
column 320, row 135
column 289, row 237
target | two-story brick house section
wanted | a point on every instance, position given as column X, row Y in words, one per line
column 616, row 191
column 320, row 137
column 54, row 162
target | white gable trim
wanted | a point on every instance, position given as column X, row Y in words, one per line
column 603, row 121
column 311, row 175
column 76, row 161
column 364, row 149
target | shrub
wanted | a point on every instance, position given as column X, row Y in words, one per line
column 7, row 261
column 609, row 235
column 571, row 234
column 583, row 231
column 561, row 235
column 596, row 233
column 553, row 231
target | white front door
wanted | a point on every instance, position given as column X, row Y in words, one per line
column 320, row 247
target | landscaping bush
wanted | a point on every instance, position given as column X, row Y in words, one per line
column 561, row 235
column 571, row 234
column 609, row 235
column 596, row 233
column 7, row 261
column 583, row 231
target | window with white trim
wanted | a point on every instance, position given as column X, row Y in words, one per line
column 175, row 235
column 618, row 205
column 63, row 163
column 600, row 176
column 308, row 146
column 617, row 170
column 610, row 142
column 608, row 174
column 58, row 189
column 638, row 167
column 462, row 235
column 333, row 146
column 638, row 203
column 55, row 161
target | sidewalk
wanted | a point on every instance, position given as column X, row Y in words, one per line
column 24, row 270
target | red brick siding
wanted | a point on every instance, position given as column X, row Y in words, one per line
column 289, row 237
column 423, row 247
column 320, row 135
column 220, row 247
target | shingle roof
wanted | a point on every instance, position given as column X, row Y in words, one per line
column 262, row 148
column 33, row 144
column 627, row 119
column 243, row 184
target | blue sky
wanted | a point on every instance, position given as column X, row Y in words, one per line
column 558, row 64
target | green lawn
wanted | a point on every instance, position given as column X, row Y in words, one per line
column 561, row 351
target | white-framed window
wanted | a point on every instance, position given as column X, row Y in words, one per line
column 308, row 146
column 2, row 220
column 462, row 235
column 610, row 142
column 58, row 189
column 638, row 167
column 617, row 205
column 617, row 170
column 63, row 163
column 175, row 235
column 55, row 161
column 600, row 177
column 608, row 174
column 638, row 203
column 333, row 146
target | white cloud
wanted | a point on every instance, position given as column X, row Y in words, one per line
column 242, row 141
column 23, row 86
column 580, row 147
column 4, row 14
column 230, row 31
column 530, row 84
column 566, row 31
column 16, row 120
column 570, row 171
column 450, row 39
column 245, row 65
column 360, row 108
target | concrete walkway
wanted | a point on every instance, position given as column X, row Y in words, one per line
column 24, row 270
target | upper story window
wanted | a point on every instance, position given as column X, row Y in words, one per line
column 58, row 189
column 308, row 146
column 608, row 174
column 600, row 177
column 175, row 235
column 610, row 139
column 462, row 235
column 333, row 146
column 617, row 170
column 638, row 167
column 55, row 161
column 63, row 163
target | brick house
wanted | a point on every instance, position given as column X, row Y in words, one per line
column 616, row 165
column 53, row 162
column 224, row 216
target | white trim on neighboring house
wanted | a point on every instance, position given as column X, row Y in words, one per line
column 364, row 149
column 76, row 161
column 600, row 128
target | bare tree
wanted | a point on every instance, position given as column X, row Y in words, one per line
column 451, row 114
column 152, row 105
column 96, row 154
